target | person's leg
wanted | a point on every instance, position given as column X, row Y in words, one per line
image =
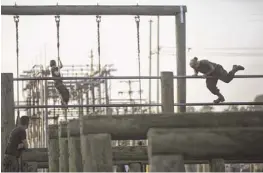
column 66, row 95
column 211, row 85
column 10, row 164
column 6, row 164
column 228, row 76
column 64, row 92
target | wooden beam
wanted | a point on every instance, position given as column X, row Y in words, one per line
column 93, row 10
column 53, row 148
column 7, row 109
column 74, row 149
column 129, row 154
column 208, row 143
column 63, row 148
column 35, row 155
column 135, row 127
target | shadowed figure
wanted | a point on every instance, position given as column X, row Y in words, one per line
column 217, row 72
column 17, row 142
column 62, row 89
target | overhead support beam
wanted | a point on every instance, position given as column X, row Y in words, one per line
column 135, row 127
column 93, row 10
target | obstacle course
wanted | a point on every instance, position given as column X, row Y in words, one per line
column 174, row 139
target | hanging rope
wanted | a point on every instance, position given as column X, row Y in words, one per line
column 57, row 20
column 16, row 20
column 98, row 19
column 137, row 20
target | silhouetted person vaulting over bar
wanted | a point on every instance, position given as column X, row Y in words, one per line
column 215, row 72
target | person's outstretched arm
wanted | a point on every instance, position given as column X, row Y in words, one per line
column 61, row 65
column 195, row 72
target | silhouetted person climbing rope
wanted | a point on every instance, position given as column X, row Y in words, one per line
column 62, row 89
column 216, row 71
column 16, row 144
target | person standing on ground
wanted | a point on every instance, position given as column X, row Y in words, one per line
column 16, row 143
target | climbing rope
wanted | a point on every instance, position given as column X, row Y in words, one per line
column 98, row 19
column 57, row 20
column 137, row 20
column 16, row 20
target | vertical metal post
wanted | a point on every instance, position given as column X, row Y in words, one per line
column 181, row 59
column 150, row 66
column 92, row 85
column 80, row 93
column 7, row 109
column 167, row 92
column 46, row 113
column 87, row 100
column 98, row 19
column 158, row 61
column 106, row 94
column 16, row 20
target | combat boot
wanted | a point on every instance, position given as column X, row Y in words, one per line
column 219, row 99
column 237, row 68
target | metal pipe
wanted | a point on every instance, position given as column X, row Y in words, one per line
column 137, row 105
column 92, row 10
column 150, row 64
column 158, row 61
column 125, row 77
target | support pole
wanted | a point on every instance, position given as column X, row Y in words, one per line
column 108, row 110
column 164, row 162
column 53, row 148
column 7, row 109
column 217, row 165
column 63, row 148
column 158, row 61
column 46, row 115
column 135, row 167
column 167, row 85
column 181, row 59
column 87, row 100
column 75, row 161
column 150, row 66
column 96, row 151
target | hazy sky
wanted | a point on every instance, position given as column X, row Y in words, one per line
column 224, row 31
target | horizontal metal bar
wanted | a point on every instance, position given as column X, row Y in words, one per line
column 85, row 78
column 136, row 105
column 124, row 77
column 92, row 10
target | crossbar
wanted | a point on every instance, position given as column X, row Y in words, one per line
column 134, row 105
column 124, row 77
column 93, row 10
